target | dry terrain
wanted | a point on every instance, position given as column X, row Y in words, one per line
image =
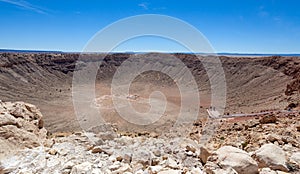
column 258, row 133
column 45, row 80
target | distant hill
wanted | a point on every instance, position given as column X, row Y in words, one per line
column 27, row 51
column 256, row 55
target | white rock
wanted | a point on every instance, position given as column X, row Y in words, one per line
column 142, row 156
column 196, row 171
column 127, row 157
column 295, row 158
column 96, row 171
column 212, row 168
column 69, row 165
column 189, row 153
column 171, row 163
column 281, row 172
column 170, row 171
column 267, row 171
column 230, row 157
column 127, row 173
column 53, row 163
column 115, row 166
column 272, row 156
column 124, row 168
column 140, row 171
column 82, row 168
column 155, row 169
column 64, row 148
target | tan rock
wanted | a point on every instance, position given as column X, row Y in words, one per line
column 298, row 128
column 272, row 137
column 204, row 154
column 119, row 158
column 191, row 148
column 155, row 161
column 52, row 152
column 157, row 152
column 97, row 149
column 268, row 119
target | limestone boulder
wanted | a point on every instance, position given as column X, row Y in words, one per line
column 228, row 158
column 272, row 156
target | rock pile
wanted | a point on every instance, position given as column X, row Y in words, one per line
column 94, row 153
column 78, row 154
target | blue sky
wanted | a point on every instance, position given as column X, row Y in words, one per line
column 240, row 26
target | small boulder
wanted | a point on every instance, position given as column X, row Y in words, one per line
column 127, row 158
column 157, row 152
column 171, row 163
column 298, row 128
column 268, row 119
column 142, row 156
column 295, row 159
column 230, row 157
column 191, row 148
column 124, row 168
column 119, row 158
column 267, row 171
column 273, row 137
column 212, row 168
column 272, row 156
column 97, row 150
column 204, row 154
column 52, row 152
column 85, row 167
column 155, row 161
column 155, row 169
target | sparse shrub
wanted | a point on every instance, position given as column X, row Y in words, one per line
column 244, row 144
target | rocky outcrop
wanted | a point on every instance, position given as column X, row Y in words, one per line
column 21, row 126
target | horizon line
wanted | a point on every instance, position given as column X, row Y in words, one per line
column 139, row 52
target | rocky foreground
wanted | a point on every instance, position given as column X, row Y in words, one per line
column 267, row 145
